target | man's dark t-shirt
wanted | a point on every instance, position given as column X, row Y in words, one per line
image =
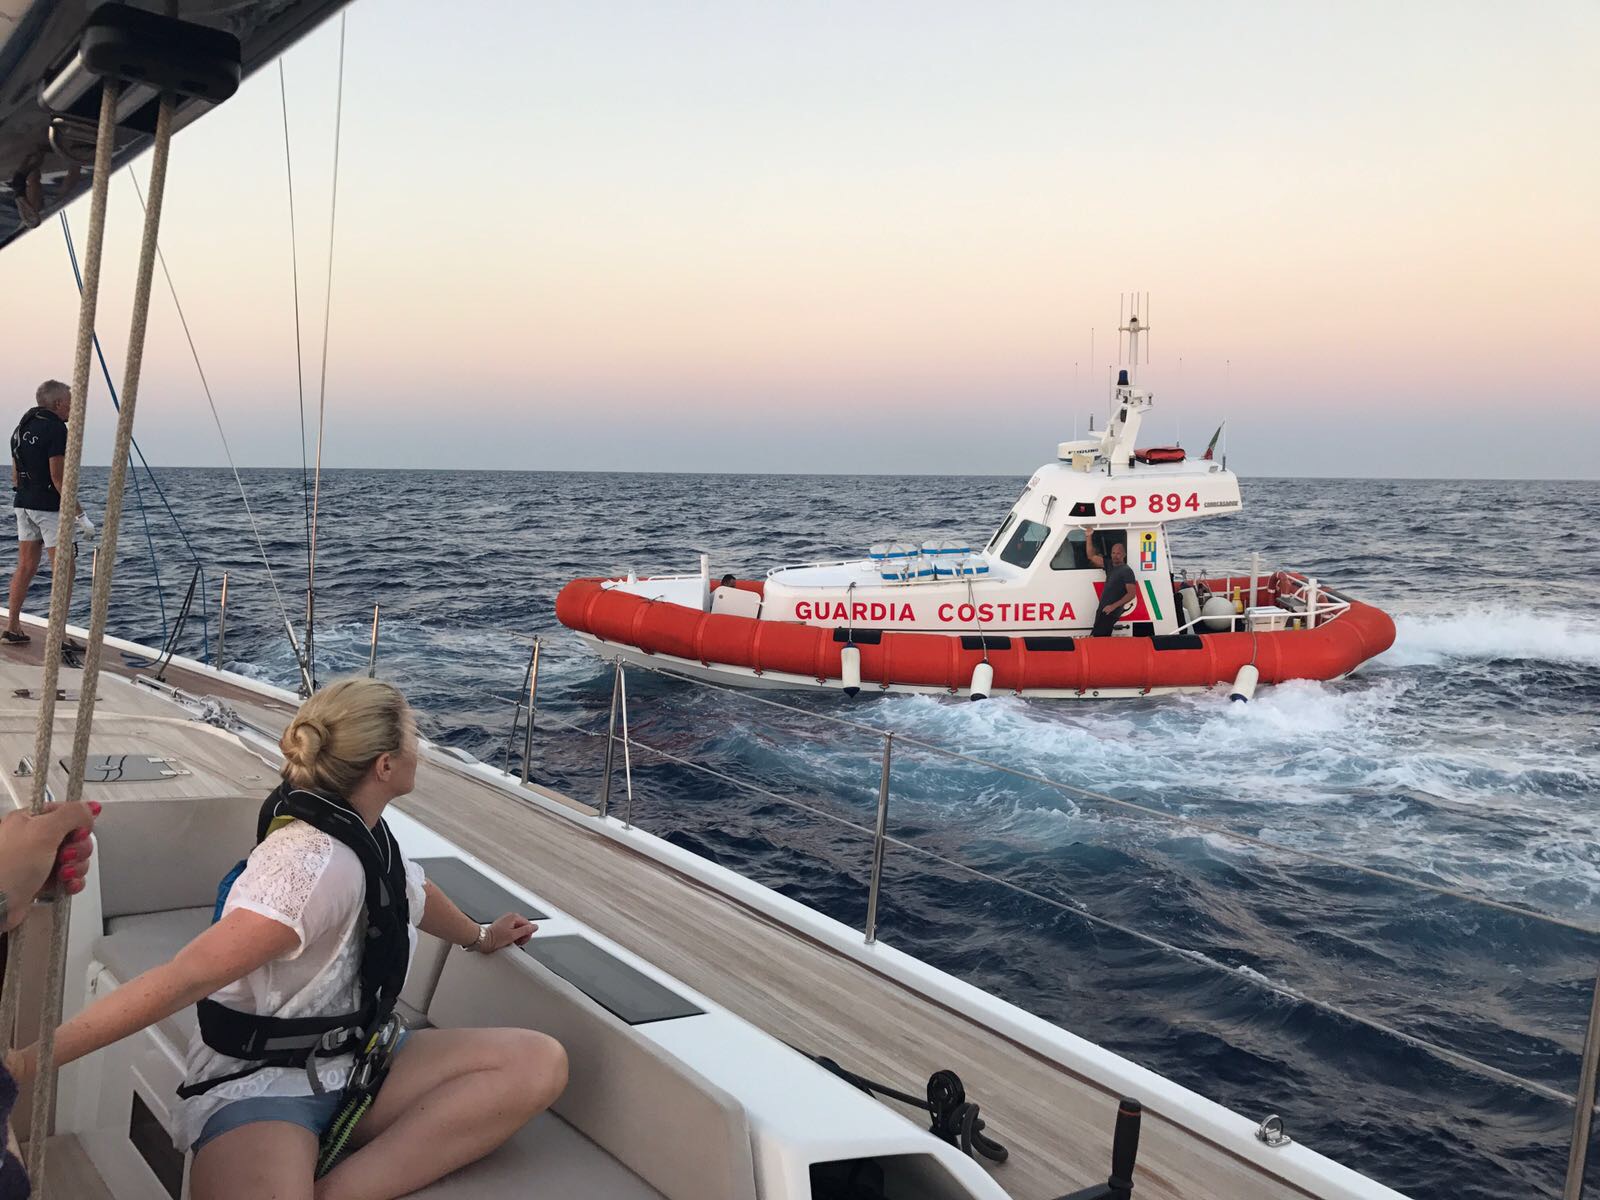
column 39, row 437
column 1117, row 581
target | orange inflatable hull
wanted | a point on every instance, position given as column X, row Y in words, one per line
column 931, row 660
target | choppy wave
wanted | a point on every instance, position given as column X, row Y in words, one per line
column 1466, row 758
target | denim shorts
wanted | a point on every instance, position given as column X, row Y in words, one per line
column 315, row 1113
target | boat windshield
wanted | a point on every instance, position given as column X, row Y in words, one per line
column 1024, row 545
column 1005, row 527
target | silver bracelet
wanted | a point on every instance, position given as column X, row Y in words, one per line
column 477, row 944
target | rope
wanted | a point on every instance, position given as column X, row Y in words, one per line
column 322, row 391
column 66, row 552
column 100, row 606
column 217, row 418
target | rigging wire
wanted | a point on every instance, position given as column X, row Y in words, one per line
column 150, row 474
column 205, row 385
column 322, row 390
column 299, row 359
column 138, row 493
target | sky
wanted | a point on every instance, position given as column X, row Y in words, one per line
column 846, row 237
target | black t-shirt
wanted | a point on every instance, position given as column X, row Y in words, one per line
column 1117, row 581
column 39, row 437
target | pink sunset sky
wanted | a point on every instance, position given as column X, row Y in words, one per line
column 846, row 237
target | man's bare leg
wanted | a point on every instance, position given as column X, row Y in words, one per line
column 27, row 567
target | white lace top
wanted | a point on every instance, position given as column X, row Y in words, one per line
column 314, row 884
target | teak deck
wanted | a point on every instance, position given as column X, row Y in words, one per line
column 1056, row 1123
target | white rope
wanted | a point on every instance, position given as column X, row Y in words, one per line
column 322, row 390
column 66, row 556
column 227, row 450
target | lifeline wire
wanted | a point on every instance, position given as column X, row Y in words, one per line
column 226, row 449
column 1155, row 813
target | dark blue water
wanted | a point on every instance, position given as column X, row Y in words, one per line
column 1467, row 757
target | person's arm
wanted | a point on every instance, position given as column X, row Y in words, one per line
column 1130, row 595
column 444, row 920
column 228, row 951
column 1091, row 548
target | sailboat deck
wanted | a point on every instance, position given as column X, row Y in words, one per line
column 1056, row 1122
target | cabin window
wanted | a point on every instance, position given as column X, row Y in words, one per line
column 1072, row 554
column 1024, row 545
column 1005, row 527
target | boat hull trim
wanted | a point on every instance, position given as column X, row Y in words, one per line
column 748, row 651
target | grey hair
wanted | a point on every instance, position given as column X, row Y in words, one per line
column 51, row 390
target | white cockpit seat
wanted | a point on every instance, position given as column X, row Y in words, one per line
column 547, row 1158
column 134, row 944
column 684, row 1136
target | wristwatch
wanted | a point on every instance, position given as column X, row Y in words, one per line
column 478, row 943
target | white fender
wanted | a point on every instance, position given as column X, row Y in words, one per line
column 982, row 681
column 1244, row 684
column 1218, row 613
column 850, row 670
column 1191, row 607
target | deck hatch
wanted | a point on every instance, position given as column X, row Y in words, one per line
column 473, row 892
column 128, row 768
column 627, row 994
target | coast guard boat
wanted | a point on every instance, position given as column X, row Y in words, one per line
column 1014, row 616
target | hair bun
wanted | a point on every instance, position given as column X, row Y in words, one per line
column 304, row 740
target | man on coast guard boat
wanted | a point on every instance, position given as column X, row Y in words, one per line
column 1120, row 591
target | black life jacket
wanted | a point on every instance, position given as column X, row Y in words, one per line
column 385, row 954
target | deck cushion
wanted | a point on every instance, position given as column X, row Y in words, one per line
column 134, row 944
column 547, row 1157
column 681, row 1133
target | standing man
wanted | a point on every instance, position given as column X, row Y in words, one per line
column 1120, row 591
column 38, row 453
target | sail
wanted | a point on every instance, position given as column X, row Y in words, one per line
column 37, row 37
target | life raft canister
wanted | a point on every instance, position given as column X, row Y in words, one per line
column 1160, row 454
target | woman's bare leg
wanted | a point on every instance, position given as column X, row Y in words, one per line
column 452, row 1096
column 264, row 1160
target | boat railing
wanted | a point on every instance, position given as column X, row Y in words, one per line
column 1309, row 602
column 621, row 746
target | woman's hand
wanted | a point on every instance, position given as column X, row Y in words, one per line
column 21, row 1064
column 35, row 851
column 513, row 929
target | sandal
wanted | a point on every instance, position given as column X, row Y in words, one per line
column 14, row 639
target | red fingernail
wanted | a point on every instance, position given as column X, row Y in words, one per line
column 69, row 872
column 94, row 807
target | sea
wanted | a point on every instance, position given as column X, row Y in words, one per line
column 1304, row 973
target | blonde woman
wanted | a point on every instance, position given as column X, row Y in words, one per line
column 300, row 944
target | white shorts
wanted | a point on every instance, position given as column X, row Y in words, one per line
column 36, row 525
